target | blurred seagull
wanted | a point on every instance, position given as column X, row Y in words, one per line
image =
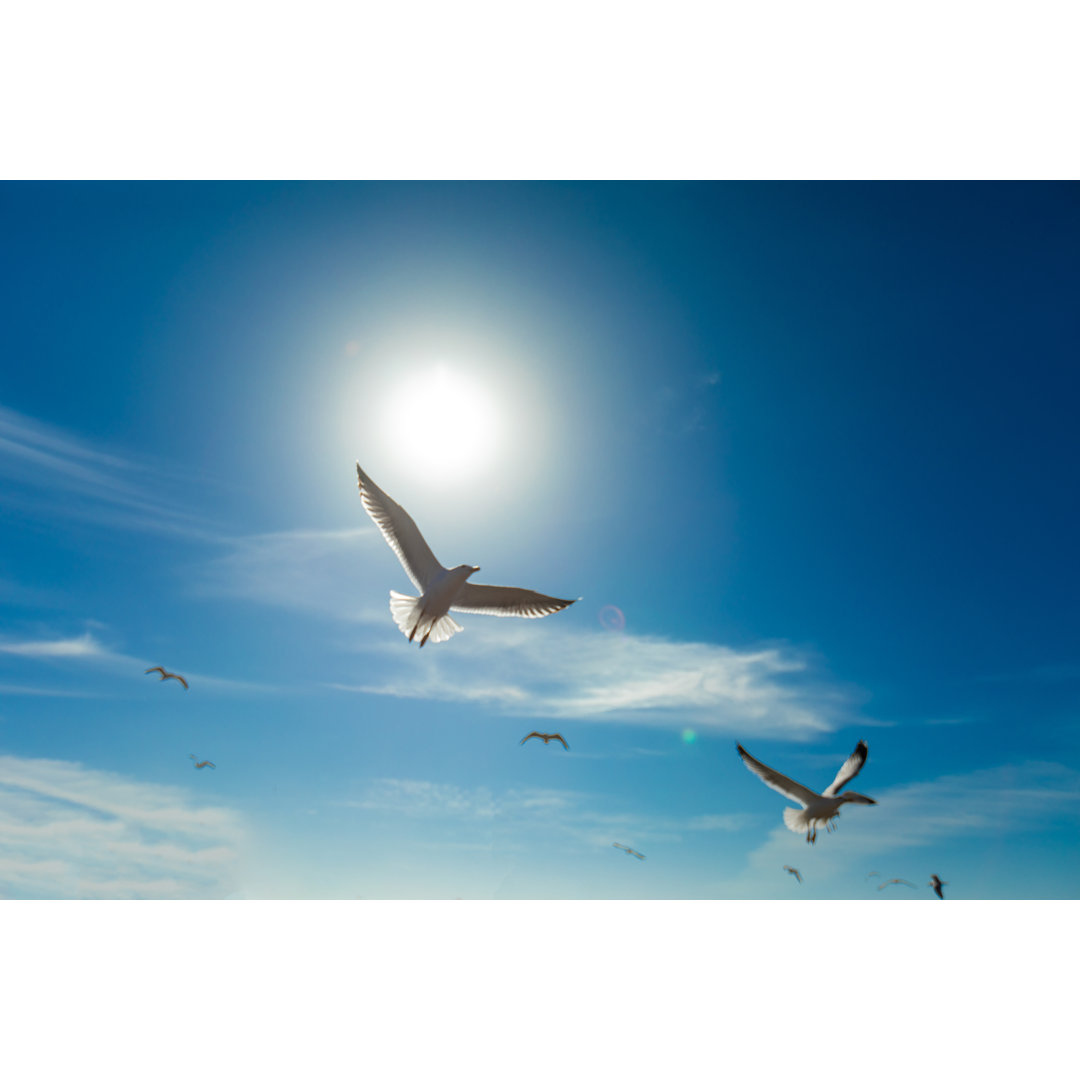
column 201, row 764
column 873, row 873
column 441, row 590
column 167, row 675
column 629, row 851
column 817, row 809
column 546, row 738
column 792, row 870
column 894, row 881
column 936, row 882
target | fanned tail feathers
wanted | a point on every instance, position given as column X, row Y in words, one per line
column 794, row 819
column 408, row 615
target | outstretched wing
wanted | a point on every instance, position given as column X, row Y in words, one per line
column 400, row 532
column 178, row 678
column 777, row 781
column 149, row 669
column 562, row 740
column 621, row 847
column 637, row 853
column 505, row 600
column 849, row 769
column 531, row 735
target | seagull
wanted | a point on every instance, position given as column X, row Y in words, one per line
column 167, row 675
column 441, row 590
column 817, row 809
column 873, row 873
column 629, row 851
column 792, row 870
column 201, row 764
column 546, row 738
column 894, row 881
column 936, row 882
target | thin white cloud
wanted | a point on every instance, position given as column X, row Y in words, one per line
column 68, row 831
column 79, row 480
column 63, row 647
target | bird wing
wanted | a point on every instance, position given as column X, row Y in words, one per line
column 504, row 600
column 178, row 678
column 637, row 853
column 532, row 734
column 149, row 669
column 562, row 740
column 849, row 769
column 399, row 531
column 777, row 781
column 622, row 847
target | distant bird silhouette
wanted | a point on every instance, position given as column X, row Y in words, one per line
column 546, row 738
column 201, row 764
column 817, row 809
column 629, row 851
column 167, row 675
column 894, row 881
column 873, row 873
column 792, row 870
column 441, row 590
column 936, row 882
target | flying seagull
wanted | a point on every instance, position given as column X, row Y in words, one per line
column 936, row 882
column 792, row 870
column 441, row 590
column 629, row 851
column 873, row 873
column 201, row 764
column 167, row 675
column 546, row 738
column 816, row 809
column 894, row 881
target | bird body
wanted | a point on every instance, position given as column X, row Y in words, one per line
column 629, row 851
column 546, row 738
column 816, row 809
column 167, row 675
column 937, row 883
column 441, row 590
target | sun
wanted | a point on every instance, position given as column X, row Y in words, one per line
column 442, row 423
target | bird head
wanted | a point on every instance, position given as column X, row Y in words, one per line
column 465, row 570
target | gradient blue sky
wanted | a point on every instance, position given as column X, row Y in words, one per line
column 816, row 441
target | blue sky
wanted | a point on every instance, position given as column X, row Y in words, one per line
column 815, row 441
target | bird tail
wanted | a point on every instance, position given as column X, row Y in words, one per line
column 408, row 613
column 794, row 819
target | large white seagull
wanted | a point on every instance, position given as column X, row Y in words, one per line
column 441, row 590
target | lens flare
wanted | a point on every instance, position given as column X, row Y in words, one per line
column 612, row 618
column 689, row 735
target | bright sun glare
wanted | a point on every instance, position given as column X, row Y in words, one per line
column 441, row 423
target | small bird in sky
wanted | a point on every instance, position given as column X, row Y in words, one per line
column 817, row 809
column 629, row 851
column 167, row 675
column 441, row 590
column 894, row 881
column 873, row 873
column 792, row 870
column 201, row 764
column 546, row 738
column 937, row 883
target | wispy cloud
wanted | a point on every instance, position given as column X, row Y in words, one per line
column 566, row 815
column 67, row 647
column 561, row 673
column 77, row 479
column 67, row 831
column 88, row 649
